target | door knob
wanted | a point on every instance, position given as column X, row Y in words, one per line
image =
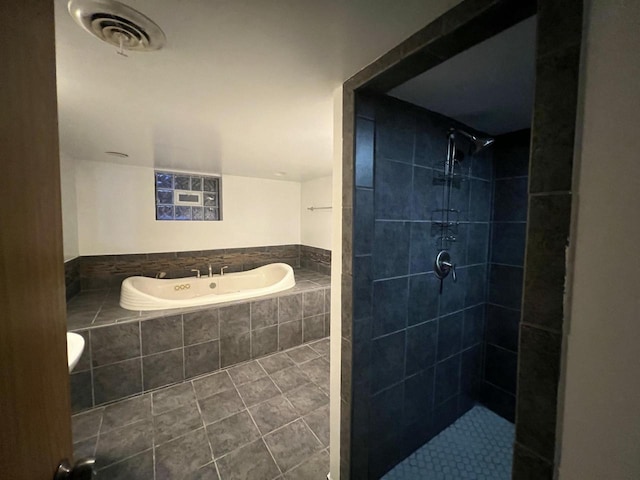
column 83, row 469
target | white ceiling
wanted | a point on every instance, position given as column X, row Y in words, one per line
column 488, row 87
column 242, row 87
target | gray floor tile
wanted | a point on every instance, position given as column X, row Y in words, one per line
column 318, row 421
column 138, row 467
column 251, row 462
column 321, row 346
column 315, row 467
column 273, row 414
column 232, row 432
column 208, row 472
column 221, row 405
column 276, row 362
column 85, row 425
column 247, row 372
column 173, row 397
column 212, row 384
column 125, row 412
column 182, row 456
column 85, row 448
column 317, row 370
column 302, row 354
column 124, row 442
column 175, row 423
column 307, row 398
column 292, row 444
column 258, row 391
column 290, row 378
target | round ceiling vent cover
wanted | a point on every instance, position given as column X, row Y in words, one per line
column 117, row 24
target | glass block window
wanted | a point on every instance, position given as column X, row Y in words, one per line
column 182, row 196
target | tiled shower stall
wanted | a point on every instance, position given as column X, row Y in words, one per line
column 422, row 358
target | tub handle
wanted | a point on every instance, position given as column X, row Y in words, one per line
column 197, row 270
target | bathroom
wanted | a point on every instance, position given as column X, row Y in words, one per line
column 445, row 294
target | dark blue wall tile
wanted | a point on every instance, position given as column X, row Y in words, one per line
column 510, row 200
column 445, row 414
column 427, row 195
column 447, row 379
column 393, row 186
column 471, row 369
column 507, row 243
column 387, row 360
column 422, row 341
column 502, row 327
column 480, row 201
column 477, row 243
column 505, row 286
column 364, row 152
column 431, row 140
column 460, row 198
column 423, row 247
column 500, row 368
column 423, row 298
column 453, row 293
column 450, row 335
column 476, row 285
column 386, row 409
column 473, row 331
column 390, row 305
column 395, row 133
column 458, row 249
column 362, row 286
column 391, row 249
column 501, row 402
column 418, row 396
column 511, row 154
column 482, row 163
column 363, row 222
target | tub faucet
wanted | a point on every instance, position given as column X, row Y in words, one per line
column 210, row 271
column 223, row 269
column 197, row 270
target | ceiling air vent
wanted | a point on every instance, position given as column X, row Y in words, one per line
column 117, row 24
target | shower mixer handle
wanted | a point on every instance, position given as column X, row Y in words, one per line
column 452, row 267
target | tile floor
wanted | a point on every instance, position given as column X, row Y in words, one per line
column 478, row 446
column 262, row 420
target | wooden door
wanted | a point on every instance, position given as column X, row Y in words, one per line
column 35, row 431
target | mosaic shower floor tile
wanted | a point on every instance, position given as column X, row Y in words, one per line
column 478, row 446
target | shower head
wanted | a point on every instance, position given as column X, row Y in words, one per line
column 477, row 143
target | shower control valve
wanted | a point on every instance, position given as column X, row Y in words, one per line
column 443, row 266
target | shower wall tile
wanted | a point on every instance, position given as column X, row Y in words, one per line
column 387, row 360
column 473, row 329
column 390, row 305
column 447, row 379
column 502, row 327
column 391, row 249
column 393, row 189
column 478, row 243
column 510, row 200
column 511, row 154
column 450, row 335
column 395, row 134
column 505, row 286
column 364, row 152
column 500, row 368
column 480, row 201
column 423, row 240
column 362, row 286
column 422, row 345
column 508, row 242
column 423, row 298
column 426, row 195
column 364, row 222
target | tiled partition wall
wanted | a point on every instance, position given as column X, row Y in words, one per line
column 508, row 233
column 417, row 355
column 104, row 271
column 125, row 359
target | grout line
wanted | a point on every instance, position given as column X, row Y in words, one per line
column 193, row 388
column 184, row 360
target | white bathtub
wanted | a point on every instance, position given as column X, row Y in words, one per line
column 143, row 293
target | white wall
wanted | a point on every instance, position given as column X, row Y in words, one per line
column 116, row 213
column 315, row 226
column 69, row 207
column 601, row 417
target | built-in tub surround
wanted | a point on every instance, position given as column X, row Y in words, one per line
column 129, row 352
column 147, row 294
